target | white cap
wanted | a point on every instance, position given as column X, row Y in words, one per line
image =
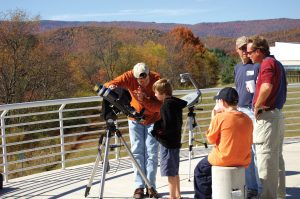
column 140, row 70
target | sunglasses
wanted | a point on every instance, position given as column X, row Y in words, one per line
column 250, row 52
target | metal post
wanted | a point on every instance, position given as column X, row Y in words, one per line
column 4, row 151
column 62, row 140
column 191, row 139
column 117, row 142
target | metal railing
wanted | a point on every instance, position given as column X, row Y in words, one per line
column 46, row 135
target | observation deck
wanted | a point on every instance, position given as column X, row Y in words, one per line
column 58, row 134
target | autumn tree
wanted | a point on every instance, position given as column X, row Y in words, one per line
column 16, row 43
column 105, row 45
column 28, row 69
column 185, row 54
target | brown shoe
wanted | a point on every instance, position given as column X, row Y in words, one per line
column 154, row 193
column 138, row 193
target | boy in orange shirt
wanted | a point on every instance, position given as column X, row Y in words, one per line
column 231, row 132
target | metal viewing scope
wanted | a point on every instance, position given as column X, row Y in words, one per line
column 192, row 98
column 119, row 99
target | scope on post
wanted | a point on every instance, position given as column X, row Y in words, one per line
column 192, row 98
column 119, row 98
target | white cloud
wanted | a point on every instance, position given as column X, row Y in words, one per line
column 131, row 13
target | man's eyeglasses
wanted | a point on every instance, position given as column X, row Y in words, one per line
column 250, row 52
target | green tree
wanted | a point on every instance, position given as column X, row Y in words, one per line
column 226, row 65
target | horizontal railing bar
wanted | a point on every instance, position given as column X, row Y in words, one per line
column 80, row 117
column 82, row 141
column 292, row 124
column 52, row 120
column 32, row 123
column 291, row 118
column 81, row 125
column 291, row 99
column 292, row 130
column 34, row 167
column 31, row 132
column 34, row 158
column 31, row 141
column 49, row 103
column 291, row 105
column 34, row 149
column 80, row 158
column 82, row 109
column 84, row 133
column 31, row 114
column 296, row 111
column 80, row 150
column 50, row 112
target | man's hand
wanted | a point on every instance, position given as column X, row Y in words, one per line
column 258, row 111
column 112, row 86
column 140, row 95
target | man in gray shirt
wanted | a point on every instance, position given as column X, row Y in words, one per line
column 247, row 72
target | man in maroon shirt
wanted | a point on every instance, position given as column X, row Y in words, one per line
column 269, row 98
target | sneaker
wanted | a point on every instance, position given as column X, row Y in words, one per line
column 152, row 195
column 138, row 193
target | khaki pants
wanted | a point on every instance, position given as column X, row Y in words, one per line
column 268, row 139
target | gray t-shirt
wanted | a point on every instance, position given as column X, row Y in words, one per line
column 243, row 73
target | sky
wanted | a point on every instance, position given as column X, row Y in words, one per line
column 160, row 11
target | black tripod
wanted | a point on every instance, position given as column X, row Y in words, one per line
column 191, row 119
column 110, row 129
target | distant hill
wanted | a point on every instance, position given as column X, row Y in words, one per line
column 228, row 44
column 223, row 29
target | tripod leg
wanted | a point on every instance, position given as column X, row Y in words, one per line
column 184, row 131
column 89, row 185
column 98, row 158
column 190, row 145
column 104, row 166
column 152, row 190
column 202, row 137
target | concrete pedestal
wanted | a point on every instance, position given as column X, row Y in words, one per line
column 228, row 182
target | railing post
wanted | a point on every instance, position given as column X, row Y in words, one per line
column 4, row 151
column 117, row 142
column 62, row 140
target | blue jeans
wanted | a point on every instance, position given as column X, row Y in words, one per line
column 252, row 180
column 144, row 148
column 202, row 180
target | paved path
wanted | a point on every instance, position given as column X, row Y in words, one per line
column 71, row 182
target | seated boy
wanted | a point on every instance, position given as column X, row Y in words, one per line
column 167, row 131
column 231, row 133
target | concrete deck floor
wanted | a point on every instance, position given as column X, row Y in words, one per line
column 119, row 183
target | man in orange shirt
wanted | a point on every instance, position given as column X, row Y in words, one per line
column 231, row 132
column 144, row 146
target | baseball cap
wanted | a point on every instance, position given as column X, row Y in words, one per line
column 241, row 41
column 140, row 70
column 229, row 95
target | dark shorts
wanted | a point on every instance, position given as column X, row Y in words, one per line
column 169, row 161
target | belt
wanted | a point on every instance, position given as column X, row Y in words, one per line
column 265, row 110
column 249, row 107
column 268, row 109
